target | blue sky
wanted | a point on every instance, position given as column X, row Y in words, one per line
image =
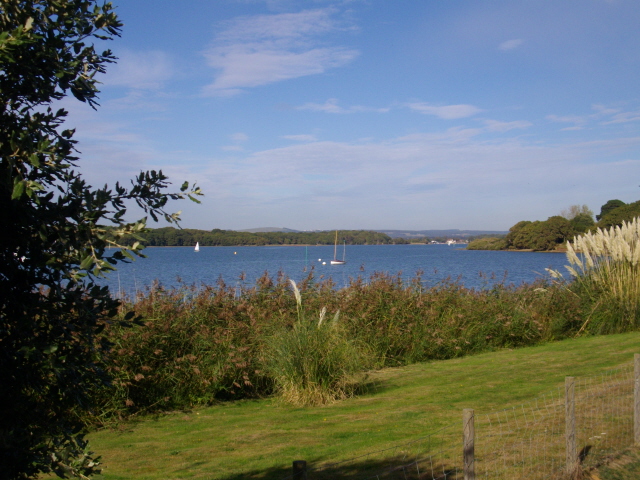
column 377, row 114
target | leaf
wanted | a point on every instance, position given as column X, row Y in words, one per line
column 18, row 189
column 86, row 262
column 48, row 350
column 34, row 160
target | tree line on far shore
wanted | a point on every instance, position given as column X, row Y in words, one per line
column 553, row 233
column 171, row 237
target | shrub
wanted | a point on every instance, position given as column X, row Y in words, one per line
column 314, row 362
column 488, row 243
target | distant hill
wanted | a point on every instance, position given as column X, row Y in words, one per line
column 452, row 233
column 406, row 234
column 268, row 230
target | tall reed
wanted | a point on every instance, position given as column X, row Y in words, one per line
column 606, row 267
column 203, row 344
column 313, row 362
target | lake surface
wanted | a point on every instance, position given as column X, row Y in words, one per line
column 473, row 268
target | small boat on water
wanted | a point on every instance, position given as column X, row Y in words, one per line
column 335, row 260
column 197, row 249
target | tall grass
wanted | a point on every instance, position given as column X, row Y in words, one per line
column 606, row 267
column 314, row 362
column 201, row 345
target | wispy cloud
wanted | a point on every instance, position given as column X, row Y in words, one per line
column 232, row 148
column 237, row 139
column 497, row 126
column 510, row 44
column 300, row 138
column 602, row 114
column 624, row 117
column 263, row 49
column 305, row 183
column 139, row 70
column 446, row 112
column 331, row 106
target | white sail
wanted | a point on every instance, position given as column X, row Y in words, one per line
column 197, row 249
column 335, row 260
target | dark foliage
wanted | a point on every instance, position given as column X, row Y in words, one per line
column 51, row 246
column 173, row 237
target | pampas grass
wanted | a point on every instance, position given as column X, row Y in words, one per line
column 314, row 363
column 606, row 267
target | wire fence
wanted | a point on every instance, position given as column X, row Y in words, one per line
column 550, row 437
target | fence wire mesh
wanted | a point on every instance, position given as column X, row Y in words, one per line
column 527, row 441
column 604, row 414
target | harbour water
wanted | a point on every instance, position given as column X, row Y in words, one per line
column 173, row 266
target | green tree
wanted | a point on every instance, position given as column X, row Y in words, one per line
column 616, row 216
column 608, row 207
column 540, row 236
column 518, row 236
column 582, row 222
column 552, row 233
column 54, row 243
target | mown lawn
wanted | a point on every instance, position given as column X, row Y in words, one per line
column 260, row 438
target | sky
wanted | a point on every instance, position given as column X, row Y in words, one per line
column 371, row 114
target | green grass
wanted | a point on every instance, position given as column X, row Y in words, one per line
column 622, row 466
column 260, row 438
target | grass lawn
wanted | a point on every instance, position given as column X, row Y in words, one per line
column 259, row 439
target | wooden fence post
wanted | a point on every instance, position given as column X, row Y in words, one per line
column 570, row 424
column 468, row 444
column 636, row 399
column 300, row 470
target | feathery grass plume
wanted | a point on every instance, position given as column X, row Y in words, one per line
column 606, row 267
column 296, row 293
column 314, row 363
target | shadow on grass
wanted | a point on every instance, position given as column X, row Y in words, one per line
column 395, row 468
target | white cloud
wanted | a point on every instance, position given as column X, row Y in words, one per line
column 331, row 106
column 603, row 115
column 578, row 121
column 447, row 112
column 239, row 137
column 300, row 138
column 232, row 148
column 567, row 118
column 604, row 110
column 624, row 117
column 306, row 181
column 279, row 27
column 510, row 44
column 264, row 49
column 497, row 126
column 139, row 70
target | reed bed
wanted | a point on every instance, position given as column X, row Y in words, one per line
column 199, row 345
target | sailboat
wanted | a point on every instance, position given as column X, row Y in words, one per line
column 197, row 249
column 335, row 260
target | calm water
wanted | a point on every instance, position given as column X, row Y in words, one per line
column 474, row 269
